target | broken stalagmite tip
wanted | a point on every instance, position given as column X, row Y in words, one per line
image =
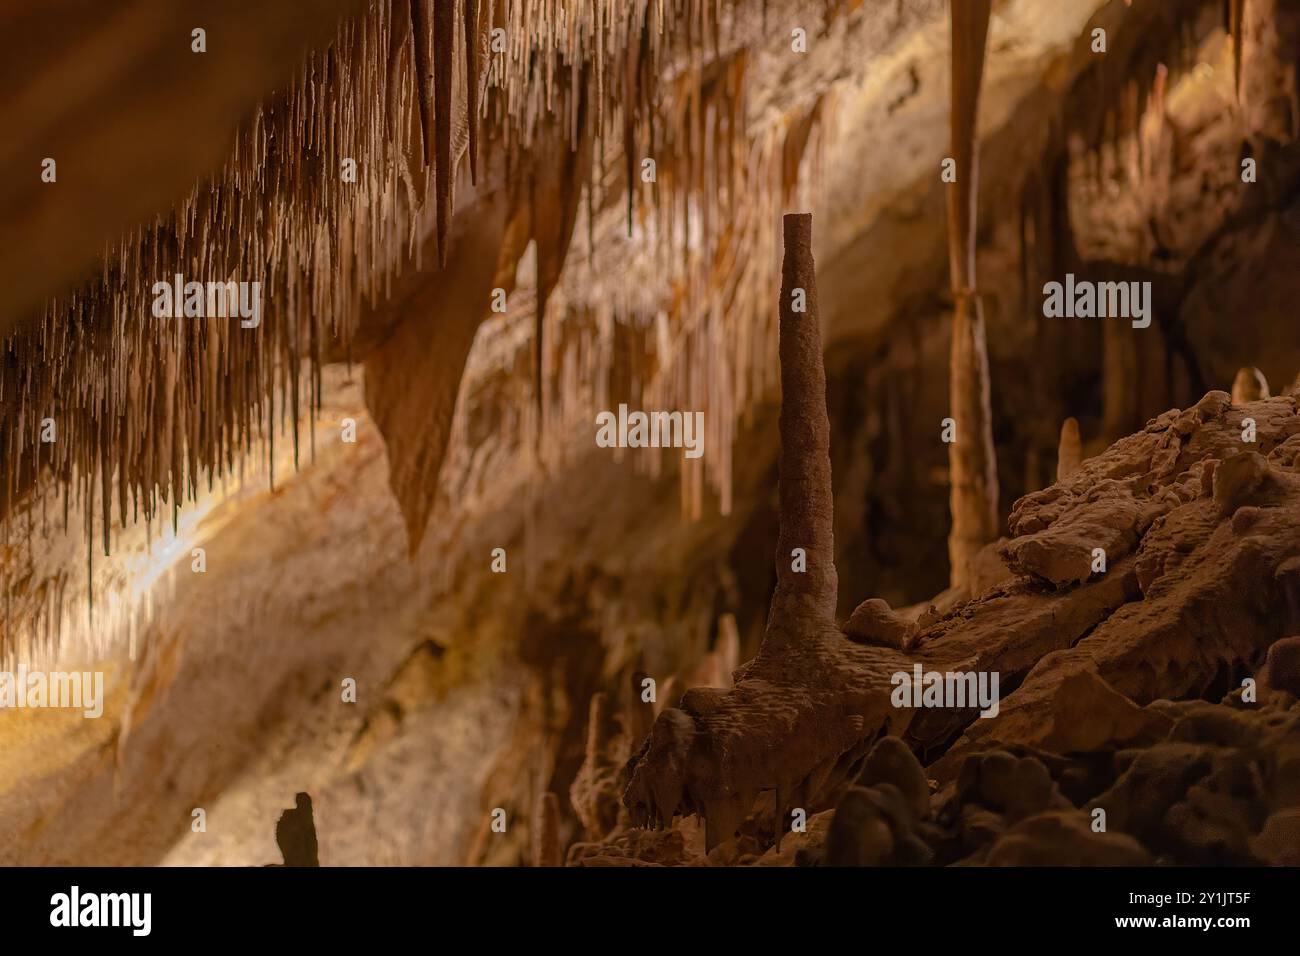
column 1250, row 385
column 1069, row 453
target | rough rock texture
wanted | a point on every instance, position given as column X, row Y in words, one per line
column 445, row 737
column 809, row 689
column 1191, row 630
column 874, row 622
column 1101, row 666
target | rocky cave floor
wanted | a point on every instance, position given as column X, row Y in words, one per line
column 1148, row 715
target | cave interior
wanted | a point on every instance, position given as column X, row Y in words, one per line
column 585, row 432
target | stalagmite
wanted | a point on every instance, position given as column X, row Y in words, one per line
column 1069, row 453
column 1099, row 633
column 971, row 461
column 1249, row 386
column 807, row 503
column 1172, row 546
column 803, row 711
column 546, row 834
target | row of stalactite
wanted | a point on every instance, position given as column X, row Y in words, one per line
column 149, row 413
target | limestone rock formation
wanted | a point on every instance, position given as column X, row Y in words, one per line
column 496, row 273
column 1104, row 665
column 801, row 712
column 874, row 622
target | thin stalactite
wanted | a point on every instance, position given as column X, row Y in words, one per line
column 420, row 27
column 188, row 403
column 444, row 55
column 470, row 17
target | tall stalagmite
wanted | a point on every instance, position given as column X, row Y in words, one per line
column 804, row 711
column 971, row 461
column 806, row 499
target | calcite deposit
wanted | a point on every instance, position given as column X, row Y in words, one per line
column 940, row 575
column 1144, row 637
column 1161, row 691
